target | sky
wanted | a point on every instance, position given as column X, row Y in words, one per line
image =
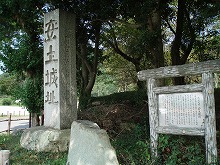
column 0, row 68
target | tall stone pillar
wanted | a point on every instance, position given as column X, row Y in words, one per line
column 60, row 97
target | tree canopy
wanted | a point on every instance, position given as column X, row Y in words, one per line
column 145, row 34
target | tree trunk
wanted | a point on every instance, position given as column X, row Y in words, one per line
column 176, row 45
column 156, row 46
column 42, row 118
column 29, row 120
column 89, row 70
column 35, row 120
column 154, row 27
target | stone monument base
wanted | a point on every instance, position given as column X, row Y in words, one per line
column 45, row 139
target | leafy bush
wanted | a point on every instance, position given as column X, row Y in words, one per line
column 31, row 94
column 177, row 149
column 6, row 101
column 132, row 147
column 7, row 83
column 3, row 139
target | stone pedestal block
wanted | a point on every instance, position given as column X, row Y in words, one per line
column 4, row 157
column 90, row 145
column 45, row 139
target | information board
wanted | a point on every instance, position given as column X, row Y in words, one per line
column 181, row 110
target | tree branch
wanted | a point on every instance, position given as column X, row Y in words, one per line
column 188, row 49
column 171, row 28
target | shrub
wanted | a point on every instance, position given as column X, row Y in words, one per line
column 132, row 147
column 6, row 101
column 177, row 149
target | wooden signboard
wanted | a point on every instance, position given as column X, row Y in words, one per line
column 183, row 109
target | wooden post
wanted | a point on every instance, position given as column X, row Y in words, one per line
column 210, row 124
column 9, row 124
column 153, row 117
column 206, row 88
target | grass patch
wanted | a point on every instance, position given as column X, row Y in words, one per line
column 19, row 155
column 133, row 148
column 129, row 136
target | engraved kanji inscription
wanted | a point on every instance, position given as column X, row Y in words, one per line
column 50, row 98
column 54, row 77
column 51, row 77
column 50, row 27
column 51, row 55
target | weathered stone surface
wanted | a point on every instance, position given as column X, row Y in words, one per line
column 4, row 157
column 60, row 96
column 90, row 145
column 45, row 139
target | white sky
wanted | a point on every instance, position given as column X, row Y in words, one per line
column 0, row 69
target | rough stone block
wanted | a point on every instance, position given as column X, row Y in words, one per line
column 90, row 145
column 45, row 139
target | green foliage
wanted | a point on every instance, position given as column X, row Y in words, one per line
column 126, row 78
column 116, row 75
column 132, row 147
column 217, row 80
column 20, row 155
column 104, row 85
column 31, row 94
column 197, row 24
column 17, row 54
column 7, row 101
column 181, row 150
column 21, row 48
column 7, row 83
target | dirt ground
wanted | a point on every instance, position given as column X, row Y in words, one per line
column 120, row 116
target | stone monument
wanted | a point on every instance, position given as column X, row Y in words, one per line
column 87, row 143
column 60, row 100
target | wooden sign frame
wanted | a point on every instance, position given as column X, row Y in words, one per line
column 206, row 69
